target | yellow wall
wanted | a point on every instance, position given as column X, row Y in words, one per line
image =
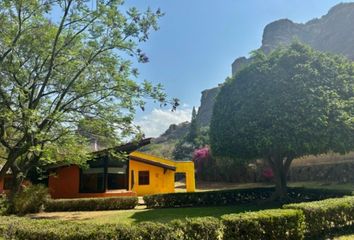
column 188, row 169
column 160, row 181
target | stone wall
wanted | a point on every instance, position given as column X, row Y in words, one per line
column 335, row 172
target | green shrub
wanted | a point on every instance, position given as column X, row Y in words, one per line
column 190, row 229
column 30, row 199
column 267, row 224
column 158, row 231
column 91, row 204
column 233, row 197
column 259, row 226
column 323, row 216
column 301, row 194
column 209, row 198
column 3, row 204
column 26, row 229
column 286, row 224
column 204, row 228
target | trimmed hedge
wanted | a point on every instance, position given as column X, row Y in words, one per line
column 301, row 194
column 156, row 231
column 270, row 224
column 208, row 198
column 312, row 219
column 26, row 229
column 91, row 204
column 190, row 229
column 236, row 196
column 323, row 216
column 206, row 228
column 267, row 224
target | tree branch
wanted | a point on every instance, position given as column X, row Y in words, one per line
column 3, row 134
column 16, row 38
column 53, row 53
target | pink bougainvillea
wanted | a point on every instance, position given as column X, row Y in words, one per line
column 201, row 153
column 268, row 174
column 201, row 157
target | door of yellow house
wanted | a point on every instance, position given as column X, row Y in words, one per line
column 180, row 182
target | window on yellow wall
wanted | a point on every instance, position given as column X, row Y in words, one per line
column 144, row 177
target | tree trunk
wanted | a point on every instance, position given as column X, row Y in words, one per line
column 17, row 180
column 280, row 184
column 280, row 169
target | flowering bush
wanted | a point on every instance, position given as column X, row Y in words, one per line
column 268, row 174
column 206, row 168
column 201, row 158
column 201, row 153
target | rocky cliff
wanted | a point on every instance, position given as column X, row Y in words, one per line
column 238, row 64
column 206, row 106
column 334, row 32
column 174, row 132
column 164, row 145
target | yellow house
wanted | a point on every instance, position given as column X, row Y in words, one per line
column 140, row 174
column 151, row 175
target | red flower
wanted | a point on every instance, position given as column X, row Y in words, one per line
column 268, row 173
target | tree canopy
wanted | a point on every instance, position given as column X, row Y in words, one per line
column 63, row 61
column 193, row 129
column 293, row 102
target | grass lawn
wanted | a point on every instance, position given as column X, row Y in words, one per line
column 344, row 234
column 155, row 215
column 346, row 237
column 212, row 186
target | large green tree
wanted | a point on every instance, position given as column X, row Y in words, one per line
column 293, row 102
column 63, row 61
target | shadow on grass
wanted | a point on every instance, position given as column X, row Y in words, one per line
column 71, row 217
column 164, row 215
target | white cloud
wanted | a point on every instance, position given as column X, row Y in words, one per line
column 157, row 122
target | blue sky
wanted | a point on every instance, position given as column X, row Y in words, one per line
column 199, row 39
